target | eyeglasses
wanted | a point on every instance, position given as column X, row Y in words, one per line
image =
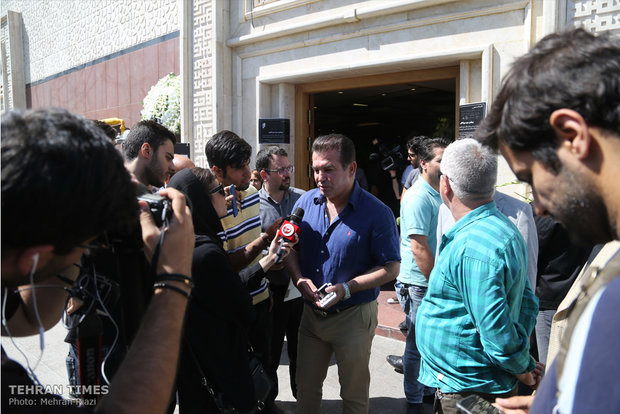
column 282, row 170
column 218, row 189
column 410, row 155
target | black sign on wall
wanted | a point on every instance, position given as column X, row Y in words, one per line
column 470, row 116
column 274, row 131
column 181, row 148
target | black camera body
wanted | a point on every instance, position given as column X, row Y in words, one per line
column 390, row 160
column 161, row 207
column 394, row 160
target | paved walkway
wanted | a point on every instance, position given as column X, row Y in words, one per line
column 386, row 394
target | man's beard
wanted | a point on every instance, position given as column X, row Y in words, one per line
column 581, row 210
column 156, row 178
column 284, row 186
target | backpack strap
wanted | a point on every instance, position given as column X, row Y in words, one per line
column 596, row 278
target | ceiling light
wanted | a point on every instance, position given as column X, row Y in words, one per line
column 340, row 92
column 359, row 104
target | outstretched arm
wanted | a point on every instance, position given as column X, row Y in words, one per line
column 145, row 379
column 243, row 257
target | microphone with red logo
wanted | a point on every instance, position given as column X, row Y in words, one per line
column 289, row 231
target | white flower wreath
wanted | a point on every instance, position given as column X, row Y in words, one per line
column 163, row 103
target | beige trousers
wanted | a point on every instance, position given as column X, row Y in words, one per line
column 348, row 335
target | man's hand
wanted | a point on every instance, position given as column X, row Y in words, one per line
column 532, row 378
column 514, row 405
column 538, row 373
column 272, row 231
column 176, row 253
column 527, row 378
column 236, row 198
column 339, row 289
column 307, row 289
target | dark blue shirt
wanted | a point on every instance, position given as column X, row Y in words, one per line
column 363, row 236
column 590, row 375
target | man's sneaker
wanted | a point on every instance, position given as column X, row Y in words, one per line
column 395, row 361
column 403, row 327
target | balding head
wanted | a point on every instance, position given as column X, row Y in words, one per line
column 181, row 162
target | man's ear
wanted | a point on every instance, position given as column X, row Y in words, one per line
column 27, row 257
column 423, row 165
column 571, row 131
column 352, row 168
column 446, row 190
column 263, row 174
column 218, row 172
column 146, row 151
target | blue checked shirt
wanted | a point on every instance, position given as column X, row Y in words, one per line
column 473, row 325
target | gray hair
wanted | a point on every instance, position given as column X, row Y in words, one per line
column 471, row 168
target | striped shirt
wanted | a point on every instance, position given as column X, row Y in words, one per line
column 473, row 325
column 242, row 230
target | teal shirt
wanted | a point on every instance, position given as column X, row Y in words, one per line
column 419, row 210
column 473, row 325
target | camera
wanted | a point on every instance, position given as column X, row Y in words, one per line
column 390, row 160
column 393, row 161
column 160, row 207
column 326, row 298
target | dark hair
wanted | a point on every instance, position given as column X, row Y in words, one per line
column 195, row 183
column 107, row 130
column 338, row 142
column 227, row 149
column 149, row 132
column 413, row 143
column 264, row 156
column 63, row 181
column 574, row 70
column 427, row 146
column 205, row 176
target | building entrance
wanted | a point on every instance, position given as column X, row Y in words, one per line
column 379, row 117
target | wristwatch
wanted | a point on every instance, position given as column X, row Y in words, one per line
column 347, row 292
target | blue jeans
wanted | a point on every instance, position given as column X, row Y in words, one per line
column 410, row 299
column 543, row 331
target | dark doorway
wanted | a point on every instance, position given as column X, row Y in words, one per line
column 380, row 119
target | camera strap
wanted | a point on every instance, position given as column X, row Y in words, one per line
column 89, row 333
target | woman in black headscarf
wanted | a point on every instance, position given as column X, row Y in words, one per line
column 220, row 311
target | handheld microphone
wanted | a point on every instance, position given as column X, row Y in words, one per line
column 289, row 231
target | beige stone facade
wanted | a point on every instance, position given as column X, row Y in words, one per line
column 242, row 60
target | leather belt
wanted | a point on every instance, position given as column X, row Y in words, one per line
column 325, row 314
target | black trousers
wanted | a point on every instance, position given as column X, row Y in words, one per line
column 286, row 317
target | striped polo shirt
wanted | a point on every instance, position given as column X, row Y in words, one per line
column 242, row 230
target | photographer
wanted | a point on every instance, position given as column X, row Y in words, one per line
column 57, row 169
column 384, row 169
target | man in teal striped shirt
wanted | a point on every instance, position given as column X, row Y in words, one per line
column 473, row 325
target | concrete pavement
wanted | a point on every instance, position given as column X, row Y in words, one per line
column 386, row 389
